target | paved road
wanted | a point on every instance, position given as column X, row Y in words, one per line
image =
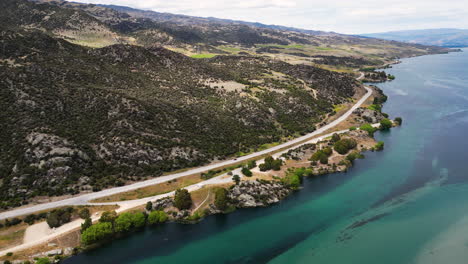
column 85, row 198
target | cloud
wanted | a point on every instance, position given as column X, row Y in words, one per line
column 266, row 4
column 360, row 16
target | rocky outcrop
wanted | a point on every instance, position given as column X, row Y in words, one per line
column 163, row 203
column 368, row 115
column 257, row 193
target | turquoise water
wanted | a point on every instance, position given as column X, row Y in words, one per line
column 403, row 205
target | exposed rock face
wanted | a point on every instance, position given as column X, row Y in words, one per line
column 257, row 193
column 47, row 150
column 163, row 203
column 368, row 116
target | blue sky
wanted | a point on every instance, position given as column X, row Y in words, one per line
column 343, row 16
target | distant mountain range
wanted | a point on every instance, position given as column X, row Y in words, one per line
column 443, row 37
column 193, row 20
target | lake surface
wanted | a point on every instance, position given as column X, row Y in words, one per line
column 407, row 204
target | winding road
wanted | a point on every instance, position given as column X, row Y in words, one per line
column 85, row 198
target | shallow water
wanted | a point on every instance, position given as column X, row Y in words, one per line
column 407, row 204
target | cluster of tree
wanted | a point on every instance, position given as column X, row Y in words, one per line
column 343, row 146
column 11, row 222
column 322, row 155
column 111, row 224
column 182, row 199
column 271, row 163
column 126, row 222
column 59, row 217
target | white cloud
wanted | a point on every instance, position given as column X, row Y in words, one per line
column 360, row 16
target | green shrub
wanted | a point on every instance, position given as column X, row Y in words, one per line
column 398, row 121
column 157, row 217
column 221, row 199
column 369, row 128
column 379, row 146
column 108, row 217
column 59, row 217
column 86, row 224
column 352, row 128
column 385, row 124
column 354, row 155
column 43, row 261
column 251, row 164
column 246, row 172
column 293, row 177
column 97, row 233
column 322, row 155
column 335, row 137
column 344, row 145
column 84, row 213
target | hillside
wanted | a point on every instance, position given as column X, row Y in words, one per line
column 92, row 97
column 79, row 119
column 444, row 37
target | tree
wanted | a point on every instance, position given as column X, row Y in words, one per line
column 246, row 172
column 221, row 199
column 86, row 224
column 385, row 124
column 182, row 199
column 149, row 206
column 236, row 179
column 84, row 213
column 53, row 219
column 157, row 217
column 335, row 137
column 108, row 216
column 398, row 120
column 97, row 233
column 123, row 223
column 138, row 220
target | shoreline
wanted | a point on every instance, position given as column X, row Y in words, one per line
column 277, row 152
